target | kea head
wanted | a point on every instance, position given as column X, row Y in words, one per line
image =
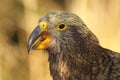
column 61, row 32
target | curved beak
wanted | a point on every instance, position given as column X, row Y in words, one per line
column 40, row 38
column 33, row 37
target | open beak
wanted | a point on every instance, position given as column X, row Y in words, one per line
column 39, row 39
column 33, row 37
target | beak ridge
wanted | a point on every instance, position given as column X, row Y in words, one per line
column 33, row 37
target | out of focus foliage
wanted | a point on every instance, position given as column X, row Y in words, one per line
column 19, row 17
column 13, row 60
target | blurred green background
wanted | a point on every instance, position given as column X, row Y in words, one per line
column 19, row 17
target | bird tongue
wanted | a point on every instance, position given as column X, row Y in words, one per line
column 41, row 38
column 39, row 41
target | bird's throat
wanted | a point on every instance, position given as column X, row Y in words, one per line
column 65, row 66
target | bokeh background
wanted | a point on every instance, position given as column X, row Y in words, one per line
column 19, row 17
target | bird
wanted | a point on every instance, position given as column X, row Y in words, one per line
column 73, row 49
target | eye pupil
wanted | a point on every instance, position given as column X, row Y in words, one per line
column 61, row 26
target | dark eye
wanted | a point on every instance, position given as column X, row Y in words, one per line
column 61, row 26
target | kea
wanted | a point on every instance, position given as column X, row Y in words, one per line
column 74, row 52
